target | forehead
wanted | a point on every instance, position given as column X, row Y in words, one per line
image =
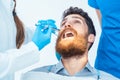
column 74, row 16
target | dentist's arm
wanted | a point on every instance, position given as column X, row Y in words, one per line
column 98, row 15
column 16, row 59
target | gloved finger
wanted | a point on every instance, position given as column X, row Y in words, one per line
column 42, row 21
column 52, row 25
column 41, row 24
column 48, row 31
column 51, row 22
column 44, row 24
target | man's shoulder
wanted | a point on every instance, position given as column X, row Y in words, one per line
column 37, row 72
column 43, row 69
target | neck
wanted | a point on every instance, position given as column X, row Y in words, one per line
column 75, row 64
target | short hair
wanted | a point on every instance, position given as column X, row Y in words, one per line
column 88, row 20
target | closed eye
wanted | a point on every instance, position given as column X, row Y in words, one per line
column 77, row 21
column 62, row 24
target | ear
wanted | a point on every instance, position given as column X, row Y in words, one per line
column 91, row 38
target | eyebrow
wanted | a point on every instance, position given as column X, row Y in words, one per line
column 77, row 17
column 73, row 17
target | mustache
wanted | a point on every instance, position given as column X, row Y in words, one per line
column 70, row 48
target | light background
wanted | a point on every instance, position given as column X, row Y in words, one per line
column 30, row 11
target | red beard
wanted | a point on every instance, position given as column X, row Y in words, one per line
column 75, row 46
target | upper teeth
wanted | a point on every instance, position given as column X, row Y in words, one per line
column 68, row 34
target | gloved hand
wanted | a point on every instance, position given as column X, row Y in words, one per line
column 42, row 35
column 51, row 23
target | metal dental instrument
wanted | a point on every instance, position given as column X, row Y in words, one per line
column 55, row 29
column 46, row 27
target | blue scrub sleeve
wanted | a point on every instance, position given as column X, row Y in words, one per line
column 93, row 3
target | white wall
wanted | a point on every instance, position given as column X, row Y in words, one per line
column 30, row 11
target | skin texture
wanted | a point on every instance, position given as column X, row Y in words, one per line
column 99, row 15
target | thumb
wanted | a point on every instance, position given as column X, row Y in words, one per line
column 49, row 30
column 48, row 33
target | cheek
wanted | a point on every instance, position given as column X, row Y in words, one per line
column 80, row 29
column 59, row 33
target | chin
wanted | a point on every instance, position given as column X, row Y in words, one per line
column 71, row 46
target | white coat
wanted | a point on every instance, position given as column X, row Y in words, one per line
column 12, row 60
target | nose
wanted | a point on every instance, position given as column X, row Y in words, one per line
column 67, row 25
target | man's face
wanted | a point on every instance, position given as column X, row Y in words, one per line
column 72, row 38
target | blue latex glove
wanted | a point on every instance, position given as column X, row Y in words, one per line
column 49, row 22
column 58, row 56
column 42, row 35
column 52, row 24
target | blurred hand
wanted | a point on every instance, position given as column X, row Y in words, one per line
column 42, row 35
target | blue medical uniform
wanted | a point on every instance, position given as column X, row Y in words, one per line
column 108, row 54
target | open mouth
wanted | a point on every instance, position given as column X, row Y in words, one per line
column 68, row 34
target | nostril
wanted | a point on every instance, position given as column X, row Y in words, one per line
column 69, row 25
